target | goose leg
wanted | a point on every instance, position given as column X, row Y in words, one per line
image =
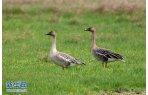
column 105, row 65
column 63, row 68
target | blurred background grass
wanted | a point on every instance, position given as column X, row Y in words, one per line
column 120, row 27
column 76, row 6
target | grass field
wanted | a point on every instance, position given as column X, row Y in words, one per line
column 25, row 50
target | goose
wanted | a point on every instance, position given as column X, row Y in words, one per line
column 59, row 58
column 101, row 54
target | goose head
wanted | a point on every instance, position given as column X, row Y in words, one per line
column 51, row 33
column 90, row 29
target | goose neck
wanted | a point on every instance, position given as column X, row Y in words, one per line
column 53, row 47
column 93, row 39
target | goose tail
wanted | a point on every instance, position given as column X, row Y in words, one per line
column 123, row 60
column 83, row 63
column 80, row 62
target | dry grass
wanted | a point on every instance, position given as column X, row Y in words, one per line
column 122, row 5
column 11, row 37
column 79, row 6
column 122, row 93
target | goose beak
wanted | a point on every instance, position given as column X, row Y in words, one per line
column 48, row 34
column 85, row 29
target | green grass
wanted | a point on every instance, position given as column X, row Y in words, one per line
column 25, row 47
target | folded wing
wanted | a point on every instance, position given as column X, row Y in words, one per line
column 67, row 59
column 108, row 55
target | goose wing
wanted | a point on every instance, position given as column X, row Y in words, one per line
column 107, row 54
column 66, row 59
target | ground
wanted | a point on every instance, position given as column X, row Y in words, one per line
column 26, row 47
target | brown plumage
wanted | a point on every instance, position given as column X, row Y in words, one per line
column 102, row 54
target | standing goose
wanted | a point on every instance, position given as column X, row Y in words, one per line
column 101, row 54
column 62, row 59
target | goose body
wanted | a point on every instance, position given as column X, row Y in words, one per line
column 61, row 59
column 106, row 55
column 64, row 60
column 101, row 54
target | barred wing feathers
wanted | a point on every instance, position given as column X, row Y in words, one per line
column 107, row 55
column 67, row 59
